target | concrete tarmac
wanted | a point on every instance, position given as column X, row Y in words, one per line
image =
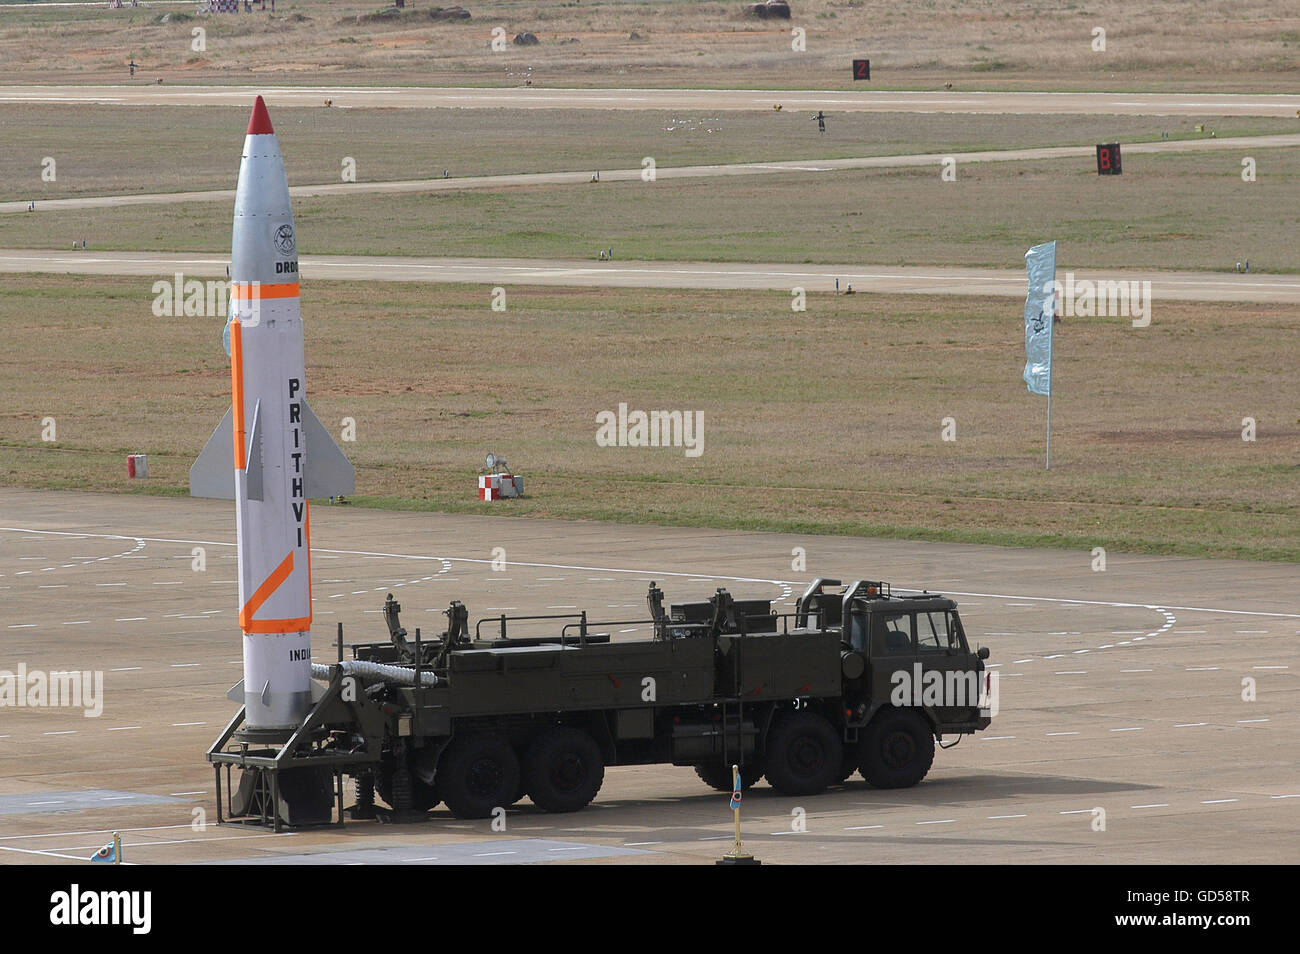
column 536, row 97
column 1147, row 711
column 916, row 279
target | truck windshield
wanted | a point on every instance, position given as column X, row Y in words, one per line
column 934, row 632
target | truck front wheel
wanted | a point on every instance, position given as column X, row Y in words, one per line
column 804, row 754
column 476, row 774
column 563, row 770
column 897, row 749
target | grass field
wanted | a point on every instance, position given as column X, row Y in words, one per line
column 827, row 421
column 105, row 151
column 1165, row 212
column 987, row 44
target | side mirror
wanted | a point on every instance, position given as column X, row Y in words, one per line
column 983, row 652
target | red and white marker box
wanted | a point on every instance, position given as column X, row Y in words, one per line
column 137, row 465
column 500, row 486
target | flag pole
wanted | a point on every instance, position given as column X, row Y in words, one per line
column 1049, row 421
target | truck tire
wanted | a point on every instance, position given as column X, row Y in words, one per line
column 478, row 773
column 563, row 770
column 897, row 749
column 804, row 754
column 421, row 796
column 719, row 776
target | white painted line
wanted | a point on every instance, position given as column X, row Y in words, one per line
column 188, row 723
column 995, row 738
column 1188, row 725
column 1219, row 801
column 122, row 728
column 1202, row 668
column 941, row 821
column 862, row 827
column 488, row 854
column 1251, row 720
column 1008, row 816
column 1132, row 728
column 185, row 665
column 1077, row 811
column 639, row 844
column 1073, row 672
column 1285, row 796
column 1156, row 805
column 1063, row 733
column 131, row 619
column 127, row 669
column 1270, row 667
column 64, row 732
column 1137, row 670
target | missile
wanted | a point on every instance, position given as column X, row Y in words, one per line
column 270, row 453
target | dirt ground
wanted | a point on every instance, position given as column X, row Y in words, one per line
column 1167, row 44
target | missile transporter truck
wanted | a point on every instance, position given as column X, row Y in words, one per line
column 856, row 679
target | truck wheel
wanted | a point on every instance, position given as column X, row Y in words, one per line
column 897, row 749
column 563, row 770
column 719, row 776
column 478, row 773
column 420, row 796
column 804, row 754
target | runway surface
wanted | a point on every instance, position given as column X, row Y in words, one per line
column 1123, row 693
column 920, row 280
column 583, row 177
column 535, row 97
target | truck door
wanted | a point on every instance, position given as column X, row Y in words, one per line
column 940, row 649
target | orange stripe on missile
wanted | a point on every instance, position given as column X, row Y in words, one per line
column 247, row 291
column 237, row 393
column 263, row 593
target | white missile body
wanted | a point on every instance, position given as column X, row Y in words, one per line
column 278, row 452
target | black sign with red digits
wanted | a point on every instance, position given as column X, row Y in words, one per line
column 1108, row 159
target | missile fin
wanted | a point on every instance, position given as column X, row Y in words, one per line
column 236, row 693
column 253, row 458
column 329, row 472
column 213, row 472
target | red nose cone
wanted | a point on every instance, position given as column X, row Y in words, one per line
column 259, row 123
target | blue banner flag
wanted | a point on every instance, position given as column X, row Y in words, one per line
column 735, row 789
column 108, row 853
column 1040, row 307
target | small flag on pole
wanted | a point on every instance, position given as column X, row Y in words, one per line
column 110, row 853
column 1040, row 307
column 735, row 789
column 1040, row 311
